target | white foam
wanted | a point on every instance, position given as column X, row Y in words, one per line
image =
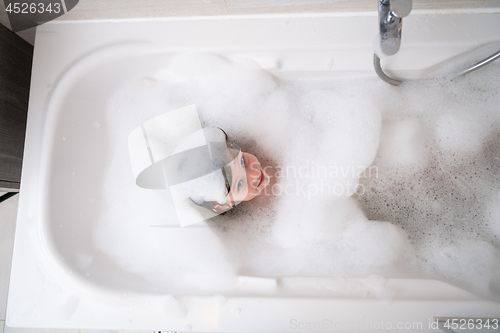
column 307, row 126
column 472, row 264
column 210, row 187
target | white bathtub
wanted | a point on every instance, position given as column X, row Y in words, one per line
column 76, row 66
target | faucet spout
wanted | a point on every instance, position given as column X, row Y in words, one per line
column 390, row 14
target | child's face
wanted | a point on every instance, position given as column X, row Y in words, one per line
column 248, row 178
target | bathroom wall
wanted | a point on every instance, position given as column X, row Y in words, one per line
column 106, row 9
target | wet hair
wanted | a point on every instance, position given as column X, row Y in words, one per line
column 228, row 178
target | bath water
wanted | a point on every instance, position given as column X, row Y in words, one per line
column 366, row 178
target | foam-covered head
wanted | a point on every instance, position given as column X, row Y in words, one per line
column 218, row 175
column 197, row 176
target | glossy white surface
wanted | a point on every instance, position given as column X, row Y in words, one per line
column 77, row 65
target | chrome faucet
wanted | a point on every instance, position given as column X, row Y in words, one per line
column 390, row 15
